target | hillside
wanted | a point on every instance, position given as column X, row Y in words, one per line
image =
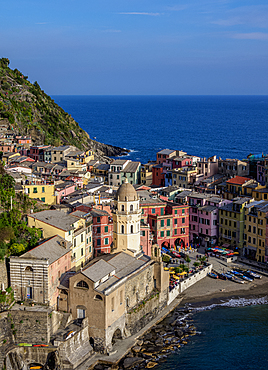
column 29, row 111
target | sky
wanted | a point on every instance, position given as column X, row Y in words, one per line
column 138, row 47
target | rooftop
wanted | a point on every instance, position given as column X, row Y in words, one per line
column 132, row 167
column 166, row 151
column 51, row 249
column 238, row 180
column 55, row 218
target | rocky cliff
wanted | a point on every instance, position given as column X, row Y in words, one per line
column 27, row 110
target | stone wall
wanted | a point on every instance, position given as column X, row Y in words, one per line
column 188, row 282
column 31, row 326
column 142, row 315
column 3, row 274
column 6, row 337
column 139, row 287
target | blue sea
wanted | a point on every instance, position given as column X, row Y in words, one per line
column 228, row 126
column 231, row 336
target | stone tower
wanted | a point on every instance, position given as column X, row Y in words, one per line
column 126, row 221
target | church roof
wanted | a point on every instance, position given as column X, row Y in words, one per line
column 126, row 192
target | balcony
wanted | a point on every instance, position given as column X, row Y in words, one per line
column 79, row 231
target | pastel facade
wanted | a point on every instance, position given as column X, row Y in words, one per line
column 43, row 192
column 70, row 228
column 36, row 274
column 255, row 231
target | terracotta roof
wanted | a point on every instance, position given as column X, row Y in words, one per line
column 238, row 180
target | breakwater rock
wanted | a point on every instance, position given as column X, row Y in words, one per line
column 155, row 345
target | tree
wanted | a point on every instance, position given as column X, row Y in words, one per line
column 188, row 260
column 17, row 249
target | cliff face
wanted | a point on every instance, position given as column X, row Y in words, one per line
column 29, row 111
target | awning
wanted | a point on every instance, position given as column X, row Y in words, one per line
column 226, row 245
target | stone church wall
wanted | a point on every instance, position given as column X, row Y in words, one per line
column 144, row 313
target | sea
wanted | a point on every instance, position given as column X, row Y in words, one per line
column 228, row 126
column 232, row 335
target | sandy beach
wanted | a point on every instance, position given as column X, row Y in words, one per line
column 210, row 290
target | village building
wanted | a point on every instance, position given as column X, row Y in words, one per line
column 256, row 214
column 69, row 227
column 110, row 288
column 35, row 275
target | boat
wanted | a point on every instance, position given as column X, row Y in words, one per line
column 24, row 345
column 241, row 276
column 254, row 274
column 235, row 278
column 229, row 276
column 213, row 275
column 222, row 276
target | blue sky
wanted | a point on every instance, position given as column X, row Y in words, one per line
column 196, row 47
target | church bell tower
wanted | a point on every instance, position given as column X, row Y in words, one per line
column 126, row 221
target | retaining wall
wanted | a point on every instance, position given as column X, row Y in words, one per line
column 188, row 282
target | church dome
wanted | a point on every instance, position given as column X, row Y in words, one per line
column 125, row 192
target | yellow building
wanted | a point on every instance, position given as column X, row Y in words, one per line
column 231, row 222
column 241, row 186
column 70, row 228
column 146, row 174
column 43, row 192
column 255, row 230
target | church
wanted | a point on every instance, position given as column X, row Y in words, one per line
column 120, row 292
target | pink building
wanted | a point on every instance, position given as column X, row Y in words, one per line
column 207, row 167
column 62, row 190
column 204, row 216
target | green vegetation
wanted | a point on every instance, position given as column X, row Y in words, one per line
column 6, row 298
column 29, row 111
column 15, row 236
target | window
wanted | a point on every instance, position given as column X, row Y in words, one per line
column 106, row 241
column 122, row 229
column 98, row 297
column 82, row 284
column 121, row 296
column 43, row 189
column 112, row 304
column 82, row 238
column 175, row 231
column 168, row 222
column 183, row 220
column 131, row 208
column 106, row 229
column 82, row 251
column 43, row 199
column 175, row 221
column 117, row 177
column 183, row 211
column 131, row 229
column 35, row 190
column 74, row 242
column 143, row 233
column 176, row 212
column 122, row 208
column 98, row 242
column 153, row 210
column 168, row 232
column 254, row 229
column 98, row 219
column 162, row 223
column 183, row 230
column 98, row 230
column 162, row 211
column 162, row 234
column 254, row 240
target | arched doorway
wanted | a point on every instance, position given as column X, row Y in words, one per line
column 179, row 243
column 117, row 336
column 165, row 245
column 91, row 342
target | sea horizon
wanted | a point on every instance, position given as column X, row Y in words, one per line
column 229, row 126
